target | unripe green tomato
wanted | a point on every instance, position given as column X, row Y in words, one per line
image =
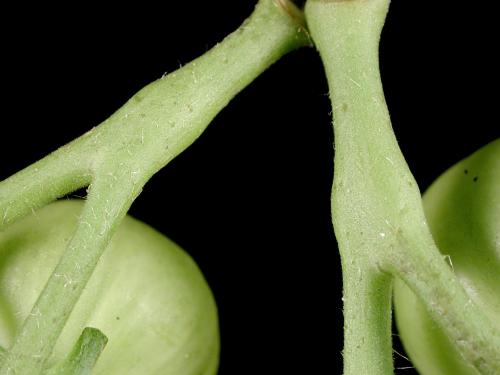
column 146, row 295
column 463, row 211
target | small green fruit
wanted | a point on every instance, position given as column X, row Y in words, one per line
column 146, row 295
column 463, row 211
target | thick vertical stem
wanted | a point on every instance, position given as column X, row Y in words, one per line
column 367, row 320
column 376, row 205
column 346, row 34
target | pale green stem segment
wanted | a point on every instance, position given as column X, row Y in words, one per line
column 84, row 355
column 120, row 155
column 346, row 35
column 376, row 205
column 59, row 173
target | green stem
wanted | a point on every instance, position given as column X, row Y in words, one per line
column 101, row 215
column 58, row 174
column 466, row 325
column 346, row 34
column 153, row 127
column 376, row 205
column 367, row 319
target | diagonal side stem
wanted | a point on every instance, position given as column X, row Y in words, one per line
column 57, row 174
column 424, row 270
column 153, row 127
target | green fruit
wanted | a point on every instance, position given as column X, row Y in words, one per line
column 463, row 211
column 146, row 295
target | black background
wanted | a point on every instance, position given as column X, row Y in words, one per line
column 250, row 199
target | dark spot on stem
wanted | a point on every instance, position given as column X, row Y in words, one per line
column 466, row 171
column 344, row 107
column 475, row 179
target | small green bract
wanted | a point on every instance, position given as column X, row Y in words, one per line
column 146, row 293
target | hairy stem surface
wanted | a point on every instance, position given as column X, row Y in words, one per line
column 376, row 205
column 120, row 155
